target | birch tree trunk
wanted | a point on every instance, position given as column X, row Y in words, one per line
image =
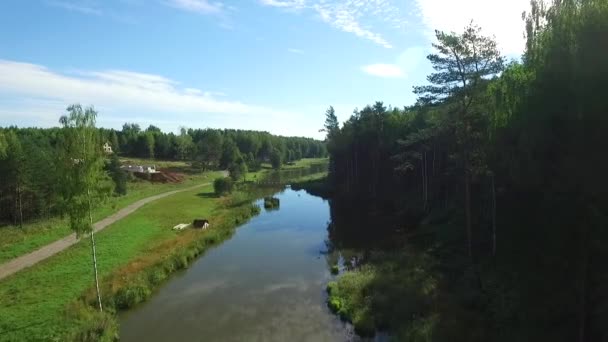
column 94, row 254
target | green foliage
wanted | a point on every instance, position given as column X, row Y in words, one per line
column 335, row 269
column 3, row 146
column 387, row 292
column 238, row 168
column 223, row 186
column 513, row 157
column 83, row 181
column 276, row 159
column 89, row 325
column 118, row 175
column 132, row 294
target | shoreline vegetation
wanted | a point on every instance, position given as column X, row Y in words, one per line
column 136, row 255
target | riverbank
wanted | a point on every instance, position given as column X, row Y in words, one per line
column 39, row 303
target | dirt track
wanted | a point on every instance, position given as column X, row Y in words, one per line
column 53, row 248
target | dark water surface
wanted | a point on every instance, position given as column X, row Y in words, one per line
column 267, row 283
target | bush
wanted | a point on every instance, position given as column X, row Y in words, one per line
column 223, row 186
column 157, row 276
column 276, row 159
column 335, row 269
column 90, row 324
column 130, row 295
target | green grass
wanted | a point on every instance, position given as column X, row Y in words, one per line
column 32, row 301
column 305, row 162
column 15, row 241
column 389, row 292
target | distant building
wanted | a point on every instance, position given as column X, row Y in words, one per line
column 139, row 168
column 107, row 148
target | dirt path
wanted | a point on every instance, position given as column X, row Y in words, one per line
column 51, row 249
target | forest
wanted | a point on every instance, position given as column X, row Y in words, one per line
column 496, row 178
column 30, row 187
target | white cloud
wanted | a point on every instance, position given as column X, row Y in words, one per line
column 113, row 90
column 296, row 51
column 496, row 17
column 86, row 7
column 199, row 6
column 383, row 70
column 350, row 15
column 408, row 62
column 295, row 4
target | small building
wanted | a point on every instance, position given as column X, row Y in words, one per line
column 139, row 168
column 107, row 148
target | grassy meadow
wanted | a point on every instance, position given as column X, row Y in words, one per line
column 15, row 241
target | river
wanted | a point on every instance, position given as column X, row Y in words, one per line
column 267, row 283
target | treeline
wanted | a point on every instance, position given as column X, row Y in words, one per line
column 212, row 147
column 28, row 160
column 500, row 167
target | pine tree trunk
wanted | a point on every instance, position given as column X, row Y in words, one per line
column 584, row 250
column 20, row 207
column 493, row 216
column 467, row 205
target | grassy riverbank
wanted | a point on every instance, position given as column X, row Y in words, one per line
column 15, row 241
column 135, row 254
column 390, row 291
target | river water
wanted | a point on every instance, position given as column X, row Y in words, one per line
column 267, row 283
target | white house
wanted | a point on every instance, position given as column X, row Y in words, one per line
column 107, row 148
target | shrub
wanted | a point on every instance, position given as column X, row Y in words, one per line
column 90, row 324
column 157, row 276
column 335, row 269
column 223, row 186
column 130, row 295
column 276, row 159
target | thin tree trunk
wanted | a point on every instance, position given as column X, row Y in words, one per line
column 493, row 215
column 467, row 205
column 424, row 181
column 433, row 170
column 20, row 207
column 583, row 283
column 94, row 254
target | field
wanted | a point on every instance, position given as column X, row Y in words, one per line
column 15, row 241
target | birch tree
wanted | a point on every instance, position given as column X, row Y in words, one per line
column 83, row 178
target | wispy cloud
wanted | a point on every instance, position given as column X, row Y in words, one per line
column 348, row 16
column 198, row 6
column 409, row 61
column 116, row 90
column 85, row 7
column 383, row 70
column 296, row 51
column 496, row 17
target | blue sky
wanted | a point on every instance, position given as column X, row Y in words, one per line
column 272, row 65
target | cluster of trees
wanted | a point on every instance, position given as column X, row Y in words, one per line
column 31, row 187
column 501, row 164
column 212, row 148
